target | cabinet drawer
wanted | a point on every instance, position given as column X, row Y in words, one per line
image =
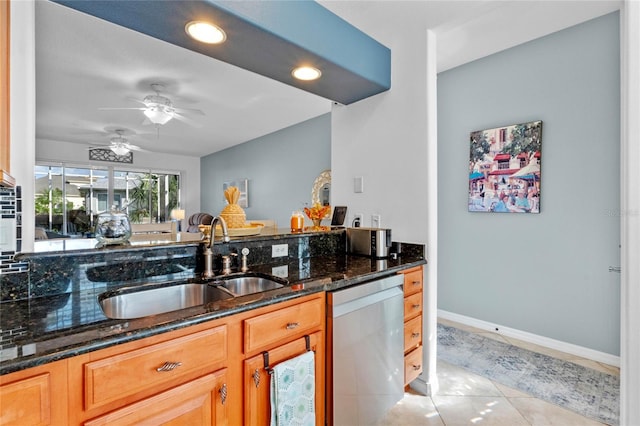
column 126, row 374
column 412, row 333
column 283, row 324
column 412, row 282
column 412, row 365
column 412, row 306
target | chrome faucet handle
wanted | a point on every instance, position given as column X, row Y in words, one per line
column 226, row 265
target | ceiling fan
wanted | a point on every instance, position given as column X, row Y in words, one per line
column 120, row 145
column 159, row 109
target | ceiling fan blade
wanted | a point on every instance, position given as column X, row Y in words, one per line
column 115, row 108
column 189, row 111
column 187, row 120
column 133, row 147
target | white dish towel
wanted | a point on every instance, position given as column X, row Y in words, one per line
column 293, row 389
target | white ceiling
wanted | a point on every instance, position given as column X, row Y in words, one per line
column 83, row 64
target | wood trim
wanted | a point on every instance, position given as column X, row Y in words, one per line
column 5, row 135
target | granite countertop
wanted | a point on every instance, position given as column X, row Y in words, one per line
column 45, row 329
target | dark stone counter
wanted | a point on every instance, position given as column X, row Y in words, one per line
column 66, row 319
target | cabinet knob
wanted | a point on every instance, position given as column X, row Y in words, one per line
column 168, row 366
column 223, row 393
column 415, row 335
column 416, row 283
column 292, row 325
column 415, row 306
column 417, row 367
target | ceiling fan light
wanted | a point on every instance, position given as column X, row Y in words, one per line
column 306, row 73
column 119, row 149
column 157, row 115
column 205, row 32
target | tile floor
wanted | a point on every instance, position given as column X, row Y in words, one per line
column 465, row 398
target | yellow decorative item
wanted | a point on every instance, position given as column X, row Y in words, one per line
column 233, row 214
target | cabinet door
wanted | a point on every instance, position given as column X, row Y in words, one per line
column 36, row 396
column 257, row 402
column 198, row 402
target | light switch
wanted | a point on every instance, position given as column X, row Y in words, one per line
column 358, row 184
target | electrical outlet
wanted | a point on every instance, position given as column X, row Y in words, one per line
column 279, row 250
column 375, row 221
column 356, row 222
column 280, row 271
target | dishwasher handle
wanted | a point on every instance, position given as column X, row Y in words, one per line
column 352, row 298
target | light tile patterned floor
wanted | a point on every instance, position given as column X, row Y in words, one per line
column 465, row 398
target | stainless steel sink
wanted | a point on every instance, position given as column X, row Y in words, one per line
column 145, row 302
column 141, row 302
column 247, row 285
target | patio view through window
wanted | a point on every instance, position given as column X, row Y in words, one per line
column 68, row 199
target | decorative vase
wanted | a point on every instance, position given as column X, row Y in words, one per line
column 316, row 223
column 112, row 227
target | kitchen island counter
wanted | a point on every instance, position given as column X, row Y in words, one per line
column 44, row 329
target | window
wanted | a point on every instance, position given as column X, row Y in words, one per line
column 70, row 209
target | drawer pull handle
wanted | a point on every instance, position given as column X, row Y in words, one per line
column 416, row 367
column 415, row 335
column 415, row 306
column 292, row 325
column 169, row 366
column 223, row 393
column 416, row 283
column 256, row 377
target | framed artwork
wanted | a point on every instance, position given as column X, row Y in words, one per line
column 243, row 186
column 504, row 169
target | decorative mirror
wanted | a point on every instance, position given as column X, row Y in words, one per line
column 321, row 191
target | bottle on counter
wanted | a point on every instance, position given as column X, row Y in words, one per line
column 297, row 221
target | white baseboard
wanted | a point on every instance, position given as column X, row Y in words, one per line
column 533, row 338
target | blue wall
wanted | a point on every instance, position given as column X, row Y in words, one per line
column 545, row 274
column 281, row 168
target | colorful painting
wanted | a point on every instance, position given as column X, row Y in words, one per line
column 504, row 169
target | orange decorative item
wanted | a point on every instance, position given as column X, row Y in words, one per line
column 316, row 213
column 297, row 221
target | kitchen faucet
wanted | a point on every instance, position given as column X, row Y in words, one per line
column 208, row 251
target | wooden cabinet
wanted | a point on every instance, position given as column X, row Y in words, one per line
column 274, row 337
column 5, row 139
column 197, row 402
column 413, row 285
column 37, row 396
column 207, row 374
column 179, row 377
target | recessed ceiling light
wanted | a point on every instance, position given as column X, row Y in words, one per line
column 205, row 32
column 306, row 73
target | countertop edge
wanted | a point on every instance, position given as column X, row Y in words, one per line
column 120, row 336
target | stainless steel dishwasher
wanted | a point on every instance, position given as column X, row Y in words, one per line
column 366, row 337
